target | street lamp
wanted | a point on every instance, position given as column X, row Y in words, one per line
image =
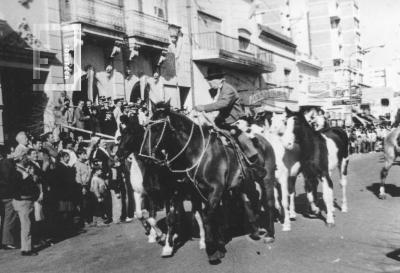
column 363, row 52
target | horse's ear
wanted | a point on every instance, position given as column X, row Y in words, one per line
column 168, row 103
column 288, row 111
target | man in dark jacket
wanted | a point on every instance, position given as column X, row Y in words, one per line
column 227, row 102
column 8, row 177
column 228, row 105
column 27, row 192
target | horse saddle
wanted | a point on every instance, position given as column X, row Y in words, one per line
column 251, row 168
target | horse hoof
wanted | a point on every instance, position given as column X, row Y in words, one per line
column 269, row 240
column 215, row 258
column 202, row 244
column 152, row 238
column 286, row 228
column 161, row 238
column 316, row 212
column 382, row 196
column 255, row 236
column 292, row 215
column 330, row 225
column 167, row 252
column 345, row 209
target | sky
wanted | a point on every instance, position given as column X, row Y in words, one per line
column 380, row 24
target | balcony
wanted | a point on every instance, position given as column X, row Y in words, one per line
column 308, row 60
column 99, row 13
column 147, row 27
column 218, row 48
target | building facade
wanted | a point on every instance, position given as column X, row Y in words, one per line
column 31, row 66
column 227, row 34
column 336, row 41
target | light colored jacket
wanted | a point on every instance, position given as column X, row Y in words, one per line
column 82, row 173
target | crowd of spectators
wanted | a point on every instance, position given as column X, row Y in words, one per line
column 367, row 139
column 53, row 185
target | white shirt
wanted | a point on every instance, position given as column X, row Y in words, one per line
column 156, row 93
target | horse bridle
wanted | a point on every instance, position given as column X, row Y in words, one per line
column 152, row 151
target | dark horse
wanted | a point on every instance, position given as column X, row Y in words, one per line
column 175, row 141
column 159, row 188
column 320, row 153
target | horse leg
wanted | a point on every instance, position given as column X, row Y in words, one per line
column 327, row 191
column 389, row 160
column 278, row 206
column 198, row 216
column 138, row 204
column 292, row 195
column 168, row 248
column 343, row 183
column 294, row 170
column 251, row 217
column 311, row 185
column 283, row 180
column 210, row 220
column 155, row 233
column 268, row 204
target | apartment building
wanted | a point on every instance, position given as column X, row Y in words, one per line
column 226, row 34
column 286, row 26
column 31, row 69
column 335, row 39
column 310, row 91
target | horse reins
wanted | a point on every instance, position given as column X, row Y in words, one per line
column 167, row 162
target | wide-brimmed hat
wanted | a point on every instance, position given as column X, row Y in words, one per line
column 214, row 73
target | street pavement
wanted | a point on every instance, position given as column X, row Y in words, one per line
column 366, row 239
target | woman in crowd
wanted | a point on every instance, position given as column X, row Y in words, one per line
column 65, row 192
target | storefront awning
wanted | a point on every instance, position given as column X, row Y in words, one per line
column 360, row 120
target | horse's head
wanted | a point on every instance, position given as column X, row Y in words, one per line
column 131, row 138
column 277, row 124
column 159, row 138
column 295, row 123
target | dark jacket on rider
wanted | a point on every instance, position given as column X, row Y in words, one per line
column 228, row 105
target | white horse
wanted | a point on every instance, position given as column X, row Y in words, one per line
column 288, row 165
column 321, row 153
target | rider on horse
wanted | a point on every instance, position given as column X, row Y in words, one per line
column 227, row 102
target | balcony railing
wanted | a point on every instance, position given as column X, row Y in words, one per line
column 146, row 26
column 308, row 59
column 216, row 41
column 100, row 13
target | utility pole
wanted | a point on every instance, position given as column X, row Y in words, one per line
column 190, row 35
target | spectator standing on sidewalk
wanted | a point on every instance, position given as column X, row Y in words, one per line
column 8, row 180
column 22, row 147
column 83, row 173
column 98, row 187
column 64, row 188
column 115, row 184
column 26, row 194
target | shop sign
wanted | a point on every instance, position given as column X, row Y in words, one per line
column 261, row 95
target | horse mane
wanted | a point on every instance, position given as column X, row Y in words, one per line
column 164, row 107
column 307, row 125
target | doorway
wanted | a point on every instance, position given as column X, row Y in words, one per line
column 23, row 108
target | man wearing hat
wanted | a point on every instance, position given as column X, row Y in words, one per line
column 227, row 102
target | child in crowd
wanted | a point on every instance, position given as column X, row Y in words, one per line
column 99, row 188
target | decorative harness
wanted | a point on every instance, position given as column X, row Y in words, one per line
column 167, row 162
